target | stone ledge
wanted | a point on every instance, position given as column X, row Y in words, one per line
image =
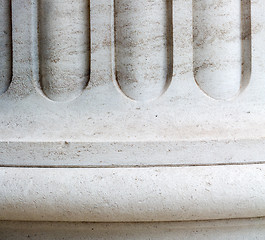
column 131, row 154
column 132, row 194
column 200, row 230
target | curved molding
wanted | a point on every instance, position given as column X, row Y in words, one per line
column 236, row 229
column 132, row 194
column 222, row 47
column 143, row 47
column 64, row 48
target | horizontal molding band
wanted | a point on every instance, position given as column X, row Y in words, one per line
column 125, row 154
column 250, row 229
column 132, row 194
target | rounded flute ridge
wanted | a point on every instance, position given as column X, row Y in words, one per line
column 222, row 46
column 143, row 47
column 64, row 48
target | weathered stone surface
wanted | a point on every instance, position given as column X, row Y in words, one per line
column 132, row 194
column 5, row 45
column 64, row 47
column 251, row 229
column 104, row 120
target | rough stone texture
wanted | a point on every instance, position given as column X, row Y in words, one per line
column 219, row 130
column 5, row 45
column 102, row 156
column 132, row 194
column 64, row 47
column 143, row 47
column 251, row 229
column 222, row 46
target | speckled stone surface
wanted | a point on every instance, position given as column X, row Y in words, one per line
column 251, row 229
column 64, row 48
column 132, row 194
column 222, row 46
column 137, row 66
column 145, row 110
column 5, row 45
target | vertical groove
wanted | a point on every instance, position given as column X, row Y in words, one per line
column 35, row 44
column 64, row 47
column 246, row 42
column 222, row 46
column 5, row 45
column 143, row 47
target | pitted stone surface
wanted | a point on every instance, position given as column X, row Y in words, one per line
column 103, row 119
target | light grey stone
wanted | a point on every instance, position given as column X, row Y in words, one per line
column 104, row 117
